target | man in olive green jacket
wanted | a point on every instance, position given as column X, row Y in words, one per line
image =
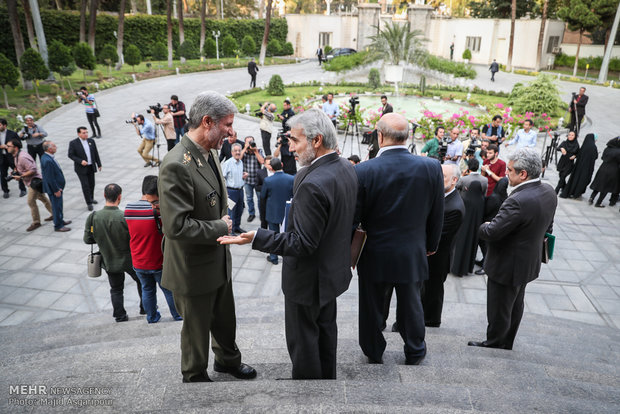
column 108, row 229
column 197, row 269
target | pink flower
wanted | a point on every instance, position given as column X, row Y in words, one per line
column 499, row 106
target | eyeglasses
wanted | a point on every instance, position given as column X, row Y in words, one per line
column 154, row 203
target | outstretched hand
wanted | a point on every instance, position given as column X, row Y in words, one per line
column 243, row 238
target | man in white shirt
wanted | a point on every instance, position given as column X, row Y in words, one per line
column 525, row 137
column 455, row 148
column 232, row 170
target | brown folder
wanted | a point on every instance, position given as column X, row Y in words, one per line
column 357, row 245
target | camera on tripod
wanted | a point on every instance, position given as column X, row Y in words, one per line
column 155, row 109
column 355, row 100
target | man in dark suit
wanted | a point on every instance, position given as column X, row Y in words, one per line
column 386, row 108
column 194, row 204
column 260, row 179
column 252, row 70
column 577, row 109
column 226, row 150
column 400, row 205
column 6, row 159
column 53, row 184
column 439, row 263
column 316, row 245
column 83, row 152
column 514, row 246
column 276, row 191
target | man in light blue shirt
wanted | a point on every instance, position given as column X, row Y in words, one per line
column 331, row 109
column 232, row 170
column 146, row 130
column 455, row 148
column 525, row 137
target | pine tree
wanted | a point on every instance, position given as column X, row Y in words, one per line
column 33, row 68
column 133, row 56
column 9, row 76
column 84, row 58
column 60, row 60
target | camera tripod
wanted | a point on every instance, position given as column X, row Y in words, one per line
column 550, row 151
column 352, row 130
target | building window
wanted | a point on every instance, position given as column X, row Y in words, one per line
column 325, row 39
column 473, row 43
column 554, row 41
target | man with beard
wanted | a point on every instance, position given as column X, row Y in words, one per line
column 315, row 245
column 194, row 203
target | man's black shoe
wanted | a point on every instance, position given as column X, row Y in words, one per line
column 243, row 371
column 374, row 361
column 6, row 195
column 479, row 262
column 414, row 360
column 90, row 207
column 484, row 344
column 122, row 319
column 94, row 201
column 480, row 272
column 239, row 230
column 198, row 378
column 432, row 324
column 251, row 217
column 395, row 327
column 22, row 193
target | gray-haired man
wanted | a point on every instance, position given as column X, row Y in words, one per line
column 315, row 245
column 193, row 204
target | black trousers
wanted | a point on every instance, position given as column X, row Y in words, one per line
column 561, row 182
column 6, row 161
column 575, row 121
column 88, row 185
column 601, row 197
column 432, row 297
column 504, row 313
column 117, row 286
column 92, row 120
column 311, row 339
column 35, row 150
column 211, row 315
column 253, row 80
column 409, row 314
column 266, row 136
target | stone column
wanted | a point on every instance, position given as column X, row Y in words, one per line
column 367, row 23
column 419, row 17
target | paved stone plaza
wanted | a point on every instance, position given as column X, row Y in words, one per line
column 43, row 273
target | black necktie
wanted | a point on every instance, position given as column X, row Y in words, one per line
column 211, row 162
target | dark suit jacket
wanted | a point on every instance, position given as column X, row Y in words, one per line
column 53, row 178
column 4, row 154
column 276, row 191
column 317, row 243
column 77, row 154
column 400, row 205
column 192, row 203
column 515, row 236
column 388, row 108
column 581, row 105
column 453, row 213
column 252, row 68
column 225, row 151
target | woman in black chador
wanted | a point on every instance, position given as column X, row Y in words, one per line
column 466, row 240
column 569, row 149
column 582, row 172
column 608, row 174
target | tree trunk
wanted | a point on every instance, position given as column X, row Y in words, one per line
column 120, row 33
column 36, row 89
column 70, row 86
column 577, row 54
column 6, row 99
column 134, row 7
column 92, row 26
column 181, row 28
column 541, row 35
column 169, row 22
column 83, row 21
column 263, row 46
column 58, row 4
column 203, row 12
column 62, row 83
column 18, row 40
column 261, row 8
column 29, row 27
column 513, row 17
column 218, row 10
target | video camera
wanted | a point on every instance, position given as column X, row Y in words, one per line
column 355, row 100
column 11, row 176
column 259, row 112
column 27, row 135
column 474, row 145
column 282, row 137
column 155, row 109
column 133, row 120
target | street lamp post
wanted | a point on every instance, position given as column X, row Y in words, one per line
column 602, row 75
column 217, row 48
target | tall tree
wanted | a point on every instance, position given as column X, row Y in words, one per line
column 120, row 33
column 541, row 34
column 203, row 13
column 579, row 16
column 83, row 5
column 60, row 59
column 9, row 76
column 263, row 46
column 169, row 29
column 511, row 44
column 16, row 30
column 181, row 27
column 92, row 26
column 606, row 10
column 29, row 26
column 33, row 68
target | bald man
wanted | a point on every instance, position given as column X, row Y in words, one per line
column 400, row 205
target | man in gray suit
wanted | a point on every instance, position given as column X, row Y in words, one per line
column 316, row 245
column 472, row 175
column 515, row 239
column 194, row 203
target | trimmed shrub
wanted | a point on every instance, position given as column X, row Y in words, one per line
column 374, row 78
column 273, row 47
column 539, row 96
column 83, row 55
column 33, row 67
column 276, row 86
column 248, row 46
column 159, row 51
column 458, row 69
column 287, row 49
column 467, row 54
column 327, row 49
column 209, row 48
column 188, row 50
column 229, row 46
column 133, row 56
column 342, row 63
column 108, row 55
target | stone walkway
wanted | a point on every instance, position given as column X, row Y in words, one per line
column 43, row 273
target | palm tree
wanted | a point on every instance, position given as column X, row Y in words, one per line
column 513, row 17
column 263, row 46
column 397, row 42
column 120, row 34
column 94, row 5
column 169, row 30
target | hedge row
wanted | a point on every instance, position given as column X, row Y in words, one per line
column 458, row 69
column 594, row 62
column 144, row 31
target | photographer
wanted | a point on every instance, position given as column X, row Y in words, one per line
column 286, row 114
column 283, row 152
column 253, row 159
column 168, row 122
column 34, row 136
column 577, row 109
column 146, row 130
column 472, row 146
column 494, row 131
column 455, row 148
column 431, row 148
column 6, row 159
column 266, row 125
column 92, row 112
column 177, row 109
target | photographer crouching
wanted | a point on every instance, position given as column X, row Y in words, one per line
column 146, row 130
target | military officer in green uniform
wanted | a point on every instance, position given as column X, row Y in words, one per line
column 197, row 269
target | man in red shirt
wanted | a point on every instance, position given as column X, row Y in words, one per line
column 145, row 234
column 493, row 168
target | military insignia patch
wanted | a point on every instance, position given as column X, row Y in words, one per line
column 187, row 158
column 211, row 198
column 199, row 163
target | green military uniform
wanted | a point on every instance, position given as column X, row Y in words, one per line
column 196, row 268
column 108, row 229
